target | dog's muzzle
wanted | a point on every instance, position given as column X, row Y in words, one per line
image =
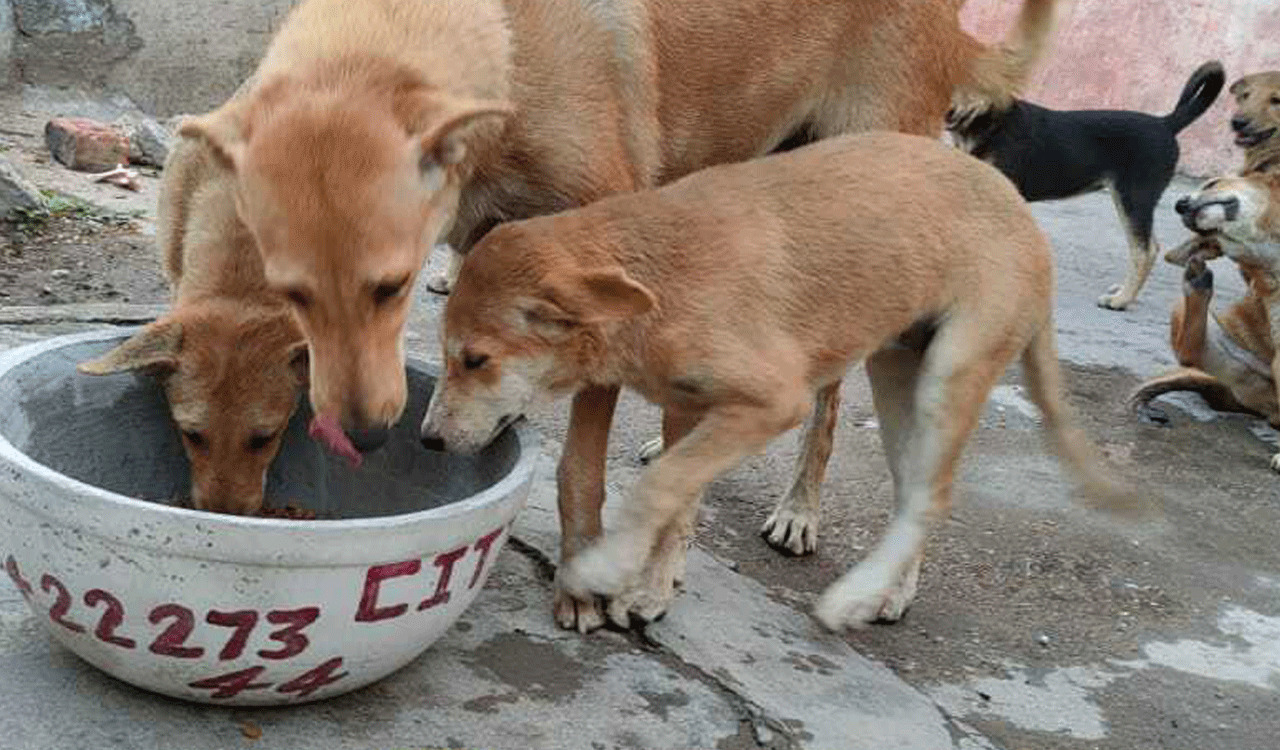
column 1192, row 210
column 369, row 439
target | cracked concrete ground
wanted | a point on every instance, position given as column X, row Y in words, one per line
column 1039, row 625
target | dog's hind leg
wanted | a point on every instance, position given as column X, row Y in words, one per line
column 1136, row 207
column 649, row 597
column 793, row 525
column 672, row 485
column 893, row 373
column 927, row 410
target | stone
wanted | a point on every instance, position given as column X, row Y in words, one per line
column 16, row 193
column 86, row 145
column 148, row 139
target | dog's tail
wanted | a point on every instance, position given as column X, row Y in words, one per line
column 1000, row 71
column 1044, row 382
column 1200, row 92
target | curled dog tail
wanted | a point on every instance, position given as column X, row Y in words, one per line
column 1044, row 383
column 1000, row 71
column 1200, row 92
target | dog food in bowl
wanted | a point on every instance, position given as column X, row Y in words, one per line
column 230, row 609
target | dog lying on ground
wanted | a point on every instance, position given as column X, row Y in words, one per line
column 1256, row 121
column 232, row 359
column 1229, row 357
column 1051, row 154
column 370, row 129
column 736, row 299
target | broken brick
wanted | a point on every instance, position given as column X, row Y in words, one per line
column 86, row 145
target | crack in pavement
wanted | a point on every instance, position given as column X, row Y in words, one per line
column 747, row 710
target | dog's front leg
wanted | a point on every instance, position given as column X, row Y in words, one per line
column 1189, row 324
column 648, row 597
column 580, row 496
column 670, row 488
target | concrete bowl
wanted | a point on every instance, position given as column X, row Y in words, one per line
column 228, row 609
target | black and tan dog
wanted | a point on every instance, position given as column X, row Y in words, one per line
column 1052, row 154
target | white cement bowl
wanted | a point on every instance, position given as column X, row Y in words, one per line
column 226, row 609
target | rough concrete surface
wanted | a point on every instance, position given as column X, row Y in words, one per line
column 1038, row 625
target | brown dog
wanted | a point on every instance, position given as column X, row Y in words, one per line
column 1256, row 121
column 737, row 298
column 372, row 128
column 1228, row 357
column 232, row 358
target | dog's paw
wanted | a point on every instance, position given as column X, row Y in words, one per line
column 598, row 570
column 791, row 532
column 1275, row 462
column 1197, row 278
column 1113, row 299
column 643, row 603
column 650, row 450
column 439, row 283
column 571, row 613
column 864, row 596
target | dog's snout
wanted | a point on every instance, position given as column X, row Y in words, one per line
column 433, row 443
column 1239, row 123
column 369, row 439
column 1231, row 208
column 1183, row 206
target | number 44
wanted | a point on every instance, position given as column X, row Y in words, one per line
column 233, row 683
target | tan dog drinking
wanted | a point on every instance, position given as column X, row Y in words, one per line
column 230, row 355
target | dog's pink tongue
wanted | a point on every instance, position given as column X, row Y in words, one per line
column 326, row 430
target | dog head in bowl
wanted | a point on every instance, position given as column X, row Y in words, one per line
column 232, row 374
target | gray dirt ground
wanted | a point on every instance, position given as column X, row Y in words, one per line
column 1039, row 624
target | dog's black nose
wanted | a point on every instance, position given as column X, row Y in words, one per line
column 433, row 443
column 1183, row 206
column 369, row 439
column 1239, row 124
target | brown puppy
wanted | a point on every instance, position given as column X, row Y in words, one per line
column 1256, row 121
column 232, row 358
column 373, row 128
column 737, row 298
column 1228, row 357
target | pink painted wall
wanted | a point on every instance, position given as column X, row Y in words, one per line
column 1137, row 54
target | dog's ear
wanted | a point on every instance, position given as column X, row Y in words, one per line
column 587, row 298
column 441, row 126
column 1238, row 87
column 223, row 130
column 227, row 129
column 300, row 362
column 154, row 349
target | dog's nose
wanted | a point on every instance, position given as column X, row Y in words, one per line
column 433, row 443
column 1239, row 124
column 1183, row 206
column 369, row 439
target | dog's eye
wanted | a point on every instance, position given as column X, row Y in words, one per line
column 389, row 290
column 298, row 297
column 1275, row 100
column 474, row 361
column 258, row 443
column 194, row 439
